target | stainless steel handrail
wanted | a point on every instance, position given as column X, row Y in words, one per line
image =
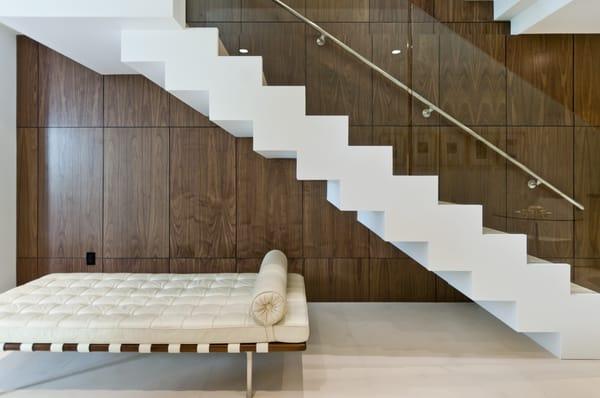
column 432, row 107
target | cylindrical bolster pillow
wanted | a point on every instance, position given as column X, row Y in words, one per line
column 269, row 303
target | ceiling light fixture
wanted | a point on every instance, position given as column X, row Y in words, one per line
column 396, row 52
column 243, row 51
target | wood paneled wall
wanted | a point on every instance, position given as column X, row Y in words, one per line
column 116, row 166
column 158, row 188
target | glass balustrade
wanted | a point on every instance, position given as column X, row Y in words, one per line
column 497, row 117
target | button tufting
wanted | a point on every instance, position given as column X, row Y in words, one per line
column 76, row 307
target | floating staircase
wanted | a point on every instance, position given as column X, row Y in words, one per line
column 492, row 268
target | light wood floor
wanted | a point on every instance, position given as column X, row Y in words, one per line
column 356, row 350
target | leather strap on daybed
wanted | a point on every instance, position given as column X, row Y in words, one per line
column 151, row 348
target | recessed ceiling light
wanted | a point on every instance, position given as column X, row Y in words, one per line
column 243, row 51
column 396, row 52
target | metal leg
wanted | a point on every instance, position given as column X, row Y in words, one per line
column 249, row 360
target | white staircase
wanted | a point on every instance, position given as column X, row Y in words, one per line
column 492, row 268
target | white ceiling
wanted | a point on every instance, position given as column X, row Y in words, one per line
column 550, row 16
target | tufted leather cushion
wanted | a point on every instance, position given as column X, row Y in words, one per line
column 269, row 304
column 146, row 308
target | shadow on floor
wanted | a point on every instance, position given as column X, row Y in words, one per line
column 443, row 330
column 154, row 372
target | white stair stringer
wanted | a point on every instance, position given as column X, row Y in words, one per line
column 491, row 268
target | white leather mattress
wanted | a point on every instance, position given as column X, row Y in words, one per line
column 146, row 308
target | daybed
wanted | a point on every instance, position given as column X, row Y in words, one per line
column 146, row 313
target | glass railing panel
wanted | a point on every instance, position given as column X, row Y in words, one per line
column 425, row 59
column 471, row 173
column 483, row 83
column 586, row 270
column 391, row 106
column 472, row 73
column 516, row 92
column 549, row 65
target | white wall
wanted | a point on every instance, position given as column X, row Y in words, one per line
column 8, row 158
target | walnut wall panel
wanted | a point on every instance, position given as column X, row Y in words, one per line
column 229, row 35
column 587, row 273
column 471, row 173
column 545, row 217
column 401, row 280
column 329, row 232
column 425, row 69
column 137, row 265
column 134, row 101
column 267, row 11
column 447, row 294
column 473, row 84
column 425, row 143
column 421, row 10
column 182, row 115
column 391, row 105
column 203, row 193
column 213, row 10
column 282, row 46
column 70, row 186
column 61, row 265
column 136, row 193
column 70, row 94
column 546, row 239
column 269, row 204
column 27, row 270
column 27, row 192
column 463, row 11
column 399, row 138
column 295, row 265
column 401, row 10
column 587, row 79
column 587, row 192
column 548, row 150
column 540, row 80
column 337, row 83
column 338, row 11
column 389, row 11
column 380, row 249
column 199, row 265
column 337, row 279
column 360, row 135
column 27, row 82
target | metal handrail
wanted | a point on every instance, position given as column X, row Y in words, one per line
column 432, row 107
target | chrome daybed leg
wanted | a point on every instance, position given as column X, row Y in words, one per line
column 249, row 363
